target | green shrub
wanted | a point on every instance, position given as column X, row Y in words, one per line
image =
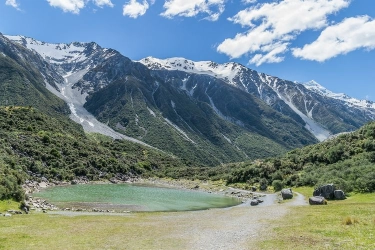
column 277, row 185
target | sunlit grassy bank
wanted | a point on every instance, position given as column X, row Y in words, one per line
column 43, row 231
column 348, row 224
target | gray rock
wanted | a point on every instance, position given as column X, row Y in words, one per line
column 287, row 193
column 317, row 200
column 327, row 191
column 254, row 202
column 26, row 210
column 339, row 195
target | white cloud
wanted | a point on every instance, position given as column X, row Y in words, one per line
column 272, row 54
column 73, row 6
column 275, row 25
column 101, row 3
column 248, row 1
column 135, row 9
column 349, row 35
column 191, row 8
column 12, row 3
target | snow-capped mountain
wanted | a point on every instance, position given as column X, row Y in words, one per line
column 319, row 89
column 309, row 101
column 71, row 62
column 226, row 71
column 221, row 112
column 67, row 58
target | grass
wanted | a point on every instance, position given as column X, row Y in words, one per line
column 8, row 205
column 44, row 231
column 348, row 224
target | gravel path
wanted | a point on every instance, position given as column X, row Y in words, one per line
column 234, row 228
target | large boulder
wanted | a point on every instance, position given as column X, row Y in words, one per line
column 339, row 195
column 317, row 200
column 287, row 193
column 326, row 191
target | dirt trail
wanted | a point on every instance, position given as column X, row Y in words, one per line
column 235, row 228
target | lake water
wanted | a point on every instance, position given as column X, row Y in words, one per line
column 133, row 197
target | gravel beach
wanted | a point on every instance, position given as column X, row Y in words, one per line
column 239, row 227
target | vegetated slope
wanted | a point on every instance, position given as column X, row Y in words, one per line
column 321, row 111
column 347, row 161
column 124, row 94
column 35, row 145
column 21, row 83
column 157, row 113
column 201, row 111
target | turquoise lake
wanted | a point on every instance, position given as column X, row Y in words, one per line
column 133, row 197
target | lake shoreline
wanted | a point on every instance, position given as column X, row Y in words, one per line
column 41, row 205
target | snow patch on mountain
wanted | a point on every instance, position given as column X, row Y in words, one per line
column 315, row 128
column 58, row 53
column 352, row 102
column 227, row 71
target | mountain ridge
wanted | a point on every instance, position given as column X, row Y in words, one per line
column 237, row 75
column 215, row 113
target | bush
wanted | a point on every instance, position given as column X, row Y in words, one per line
column 277, row 185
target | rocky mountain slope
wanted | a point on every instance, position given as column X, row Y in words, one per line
column 200, row 111
column 321, row 111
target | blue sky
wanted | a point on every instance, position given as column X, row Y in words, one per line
column 329, row 41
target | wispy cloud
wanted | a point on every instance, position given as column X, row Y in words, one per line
column 349, row 35
column 249, row 1
column 135, row 9
column 102, row 3
column 212, row 8
column 272, row 26
column 12, row 3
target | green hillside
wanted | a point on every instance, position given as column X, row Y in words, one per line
column 169, row 119
column 35, row 145
column 347, row 161
column 22, row 84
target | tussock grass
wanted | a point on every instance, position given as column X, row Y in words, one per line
column 350, row 221
column 347, row 224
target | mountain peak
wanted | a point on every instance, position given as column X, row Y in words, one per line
column 319, row 89
column 226, row 71
column 58, row 53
